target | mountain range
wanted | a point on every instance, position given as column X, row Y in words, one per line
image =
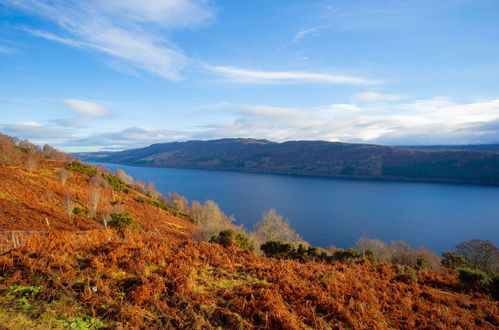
column 459, row 164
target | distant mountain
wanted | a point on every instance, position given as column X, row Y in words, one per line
column 468, row 147
column 317, row 158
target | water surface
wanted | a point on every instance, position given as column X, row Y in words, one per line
column 328, row 211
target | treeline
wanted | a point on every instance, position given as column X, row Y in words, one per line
column 14, row 151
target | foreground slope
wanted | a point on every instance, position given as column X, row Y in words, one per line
column 145, row 280
column 318, row 158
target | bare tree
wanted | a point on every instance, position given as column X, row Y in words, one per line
column 480, row 254
column 178, row 202
column 211, row 220
column 151, row 190
column 63, row 175
column 93, row 199
column 69, row 206
column 31, row 164
column 272, row 227
column 123, row 176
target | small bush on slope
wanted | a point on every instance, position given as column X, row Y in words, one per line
column 229, row 237
column 123, row 220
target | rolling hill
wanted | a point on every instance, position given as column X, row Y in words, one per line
column 317, row 158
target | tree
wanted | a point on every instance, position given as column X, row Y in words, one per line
column 272, row 227
column 63, row 175
column 210, row 220
column 480, row 254
column 452, row 260
column 93, row 199
column 69, row 206
column 123, row 176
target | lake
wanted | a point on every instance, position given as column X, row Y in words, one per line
column 328, row 211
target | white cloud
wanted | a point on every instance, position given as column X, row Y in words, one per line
column 377, row 97
column 88, row 109
column 35, row 131
column 274, row 77
column 432, row 121
column 131, row 137
column 126, row 30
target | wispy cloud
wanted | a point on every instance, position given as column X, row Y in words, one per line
column 6, row 50
column 131, row 137
column 86, row 108
column 35, row 131
column 126, row 30
column 275, row 77
column 302, row 33
column 377, row 97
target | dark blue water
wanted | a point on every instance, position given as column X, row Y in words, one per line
column 328, row 211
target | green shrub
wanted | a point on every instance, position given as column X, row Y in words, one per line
column 422, row 263
column 87, row 169
column 24, row 150
column 123, row 220
column 453, row 260
column 473, row 278
column 229, row 237
column 346, row 255
column 278, row 249
column 369, row 255
column 116, row 183
column 407, row 275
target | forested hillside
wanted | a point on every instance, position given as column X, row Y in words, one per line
column 319, row 158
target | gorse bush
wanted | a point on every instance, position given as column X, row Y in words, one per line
column 453, row 260
column 123, row 220
column 87, row 169
column 473, row 278
column 346, row 255
column 229, row 238
column 407, row 274
column 278, row 249
column 422, row 263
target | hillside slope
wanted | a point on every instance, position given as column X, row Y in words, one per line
column 319, row 158
column 157, row 277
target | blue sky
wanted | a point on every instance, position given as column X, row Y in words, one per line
column 114, row 74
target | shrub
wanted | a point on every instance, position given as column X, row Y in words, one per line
column 123, row 220
column 452, row 260
column 116, row 183
column 369, row 255
column 422, row 263
column 87, row 169
column 278, row 249
column 346, row 255
column 473, row 278
column 229, row 237
column 407, row 275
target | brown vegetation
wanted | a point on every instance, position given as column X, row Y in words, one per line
column 155, row 276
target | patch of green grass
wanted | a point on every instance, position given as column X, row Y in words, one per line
column 211, row 279
column 87, row 169
column 163, row 206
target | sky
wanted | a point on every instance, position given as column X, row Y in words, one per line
column 101, row 75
